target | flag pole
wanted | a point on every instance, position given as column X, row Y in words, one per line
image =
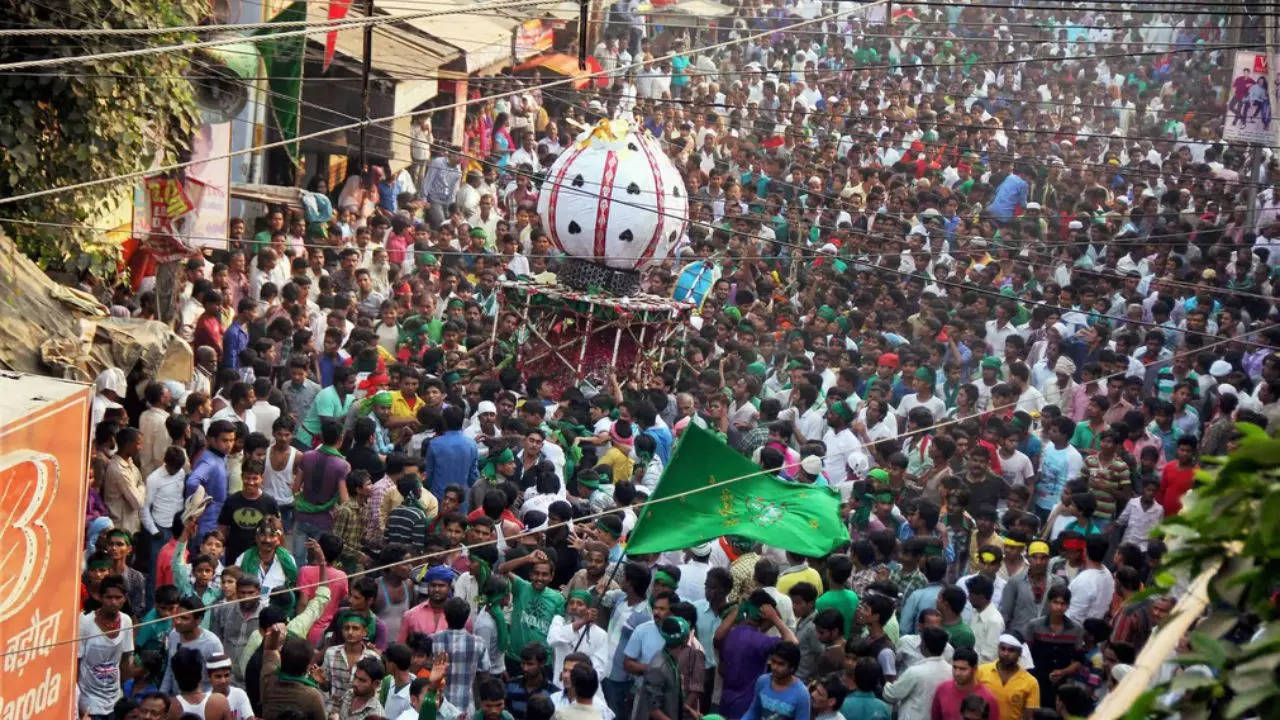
column 613, row 574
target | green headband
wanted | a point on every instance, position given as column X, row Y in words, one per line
column 583, row 595
column 674, row 639
column 347, row 616
column 879, row 474
column 382, row 399
column 118, row 533
column 842, row 409
column 505, row 456
column 99, row 564
column 749, row 610
column 454, row 303
column 664, row 577
column 826, row 312
column 883, row 497
column 757, row 369
column 604, row 528
column 588, row 481
column 733, row 312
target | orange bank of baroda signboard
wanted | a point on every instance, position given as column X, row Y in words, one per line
column 43, row 468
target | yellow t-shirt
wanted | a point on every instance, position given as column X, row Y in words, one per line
column 1022, row 692
column 786, row 581
column 400, row 408
column 620, row 464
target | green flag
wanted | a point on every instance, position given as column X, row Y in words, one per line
column 283, row 58
column 734, row 497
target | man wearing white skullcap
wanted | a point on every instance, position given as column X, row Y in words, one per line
column 1016, row 690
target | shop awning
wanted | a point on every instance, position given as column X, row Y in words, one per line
column 567, row 10
column 267, row 194
column 562, row 64
column 398, row 54
column 686, row 13
column 484, row 41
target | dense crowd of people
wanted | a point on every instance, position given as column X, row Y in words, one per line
column 986, row 271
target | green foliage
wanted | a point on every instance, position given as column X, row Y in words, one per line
column 1232, row 519
column 68, row 124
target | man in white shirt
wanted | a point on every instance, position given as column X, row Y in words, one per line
column 1000, row 329
column 986, row 623
column 912, row 693
column 844, row 450
column 1093, row 587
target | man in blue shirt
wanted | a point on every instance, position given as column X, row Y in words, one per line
column 236, row 338
column 935, row 570
column 451, row 457
column 1011, row 194
column 210, row 472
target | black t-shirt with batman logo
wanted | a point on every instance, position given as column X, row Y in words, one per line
column 241, row 517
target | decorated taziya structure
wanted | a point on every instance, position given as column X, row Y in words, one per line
column 614, row 204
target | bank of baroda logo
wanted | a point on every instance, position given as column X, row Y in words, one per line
column 28, row 484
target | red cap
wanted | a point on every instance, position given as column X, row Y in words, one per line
column 889, row 360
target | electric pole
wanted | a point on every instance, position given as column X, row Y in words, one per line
column 364, row 84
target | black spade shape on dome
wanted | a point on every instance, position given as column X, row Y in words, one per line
column 574, row 227
column 672, row 236
column 633, row 189
column 632, row 147
column 626, row 235
column 675, row 190
column 579, row 181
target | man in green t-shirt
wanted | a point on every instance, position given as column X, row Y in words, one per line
column 839, row 597
column 951, row 602
column 275, row 224
column 533, row 604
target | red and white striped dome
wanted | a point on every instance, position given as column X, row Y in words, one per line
column 614, row 198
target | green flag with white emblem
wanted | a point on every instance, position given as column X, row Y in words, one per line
column 716, row 491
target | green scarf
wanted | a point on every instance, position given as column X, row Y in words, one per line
column 302, row 505
column 282, row 676
column 252, row 564
column 481, row 571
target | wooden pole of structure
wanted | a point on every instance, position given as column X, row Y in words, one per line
column 640, row 344
column 617, row 341
column 493, row 334
column 1162, row 644
column 586, row 336
column 684, row 335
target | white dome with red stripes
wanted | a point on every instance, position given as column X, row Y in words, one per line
column 614, row 198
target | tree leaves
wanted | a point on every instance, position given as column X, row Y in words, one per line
column 91, row 121
column 1232, row 519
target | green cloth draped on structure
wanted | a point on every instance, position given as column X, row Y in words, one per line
column 804, row 519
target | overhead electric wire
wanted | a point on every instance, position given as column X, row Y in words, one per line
column 352, row 126
column 312, row 29
column 811, row 250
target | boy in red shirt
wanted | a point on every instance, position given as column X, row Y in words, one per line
column 1178, row 477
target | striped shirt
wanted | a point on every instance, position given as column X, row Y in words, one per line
column 1108, row 481
column 407, row 525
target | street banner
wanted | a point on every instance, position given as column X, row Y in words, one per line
column 1249, row 100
